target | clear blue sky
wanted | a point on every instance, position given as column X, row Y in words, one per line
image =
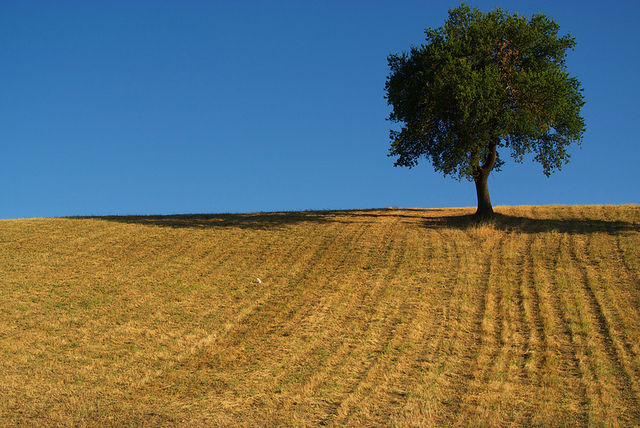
column 143, row 107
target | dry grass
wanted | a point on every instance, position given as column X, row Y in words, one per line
column 373, row 317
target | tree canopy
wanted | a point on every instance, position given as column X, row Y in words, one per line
column 481, row 85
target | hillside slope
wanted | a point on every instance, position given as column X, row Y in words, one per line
column 372, row 317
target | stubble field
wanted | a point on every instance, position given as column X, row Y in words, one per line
column 372, row 317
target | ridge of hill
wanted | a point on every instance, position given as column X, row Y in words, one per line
column 359, row 317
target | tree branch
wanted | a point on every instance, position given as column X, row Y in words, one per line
column 490, row 161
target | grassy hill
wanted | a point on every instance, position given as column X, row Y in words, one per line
column 371, row 317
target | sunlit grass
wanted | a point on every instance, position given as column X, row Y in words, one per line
column 362, row 317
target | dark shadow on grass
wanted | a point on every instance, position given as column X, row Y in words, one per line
column 258, row 221
column 428, row 218
column 533, row 225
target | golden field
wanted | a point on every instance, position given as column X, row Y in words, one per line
column 384, row 317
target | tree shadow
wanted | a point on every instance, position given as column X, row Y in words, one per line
column 257, row 221
column 427, row 218
column 533, row 225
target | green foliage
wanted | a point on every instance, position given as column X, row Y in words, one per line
column 480, row 84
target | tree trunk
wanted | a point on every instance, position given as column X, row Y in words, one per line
column 485, row 210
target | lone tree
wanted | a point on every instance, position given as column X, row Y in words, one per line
column 480, row 85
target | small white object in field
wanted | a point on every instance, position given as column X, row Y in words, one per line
column 258, row 281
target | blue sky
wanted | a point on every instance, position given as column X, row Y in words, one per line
column 161, row 107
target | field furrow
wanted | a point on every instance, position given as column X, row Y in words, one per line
column 388, row 382
column 368, row 316
column 565, row 371
column 605, row 343
column 537, row 343
column 434, row 358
